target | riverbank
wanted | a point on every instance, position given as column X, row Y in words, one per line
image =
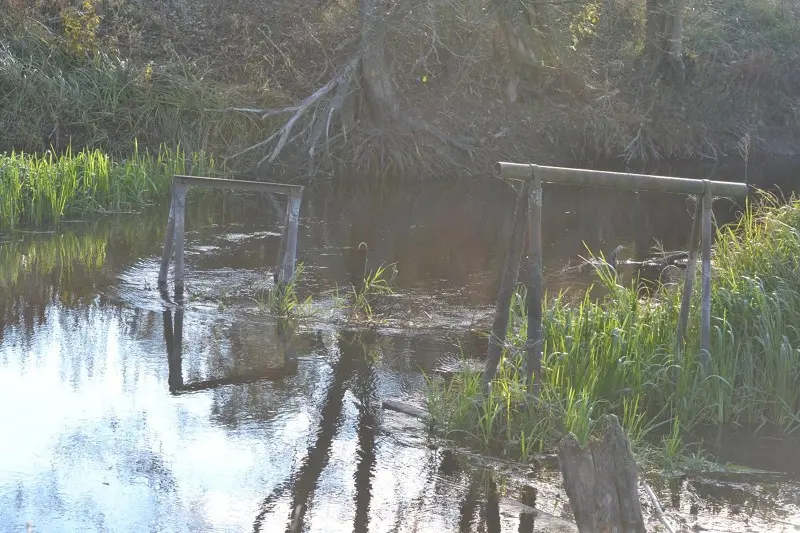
column 617, row 355
column 209, row 76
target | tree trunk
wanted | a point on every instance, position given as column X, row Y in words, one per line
column 664, row 27
column 381, row 103
column 514, row 50
column 601, row 481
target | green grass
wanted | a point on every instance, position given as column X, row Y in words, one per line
column 41, row 189
column 617, row 354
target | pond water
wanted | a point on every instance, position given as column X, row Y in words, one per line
column 122, row 411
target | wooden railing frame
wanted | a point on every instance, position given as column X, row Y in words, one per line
column 529, row 202
column 287, row 250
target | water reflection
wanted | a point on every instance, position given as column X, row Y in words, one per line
column 258, row 423
column 173, row 337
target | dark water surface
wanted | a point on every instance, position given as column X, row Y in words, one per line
column 121, row 411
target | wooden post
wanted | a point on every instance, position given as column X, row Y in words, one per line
column 180, row 212
column 279, row 276
column 533, row 345
column 168, row 240
column 691, row 274
column 705, row 320
column 508, row 283
column 601, row 481
column 287, row 251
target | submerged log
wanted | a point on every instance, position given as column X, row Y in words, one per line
column 601, row 481
column 406, row 409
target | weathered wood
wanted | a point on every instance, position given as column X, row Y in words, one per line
column 175, row 226
column 691, row 274
column 169, row 238
column 241, row 185
column 508, row 283
column 638, row 182
column 705, row 305
column 601, row 481
column 295, row 198
column 280, row 276
column 406, row 409
column 533, row 345
column 287, row 252
column 180, row 214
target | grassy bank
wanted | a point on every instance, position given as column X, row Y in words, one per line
column 41, row 189
column 617, row 354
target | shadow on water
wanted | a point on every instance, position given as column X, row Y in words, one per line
column 258, row 423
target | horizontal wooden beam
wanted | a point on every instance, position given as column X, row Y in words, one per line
column 621, row 180
column 242, row 185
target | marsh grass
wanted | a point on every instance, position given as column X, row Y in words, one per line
column 284, row 301
column 616, row 354
column 41, row 189
column 375, row 285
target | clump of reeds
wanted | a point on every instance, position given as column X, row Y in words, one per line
column 40, row 189
column 617, row 354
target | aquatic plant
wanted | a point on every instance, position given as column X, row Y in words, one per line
column 283, row 300
column 42, row 188
column 616, row 353
column 373, row 285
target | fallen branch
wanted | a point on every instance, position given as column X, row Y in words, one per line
column 657, row 506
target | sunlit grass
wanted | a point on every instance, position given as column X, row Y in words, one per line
column 617, row 354
column 41, row 189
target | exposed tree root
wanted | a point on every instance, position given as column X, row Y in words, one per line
column 343, row 103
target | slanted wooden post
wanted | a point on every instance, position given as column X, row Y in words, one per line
column 169, row 238
column 287, row 251
column 180, row 214
column 691, row 274
column 508, row 283
column 533, row 345
column 601, row 481
column 705, row 306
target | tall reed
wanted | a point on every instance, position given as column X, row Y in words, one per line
column 41, row 189
column 616, row 354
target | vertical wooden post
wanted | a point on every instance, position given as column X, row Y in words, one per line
column 691, row 274
column 180, row 212
column 169, row 238
column 287, row 251
column 533, row 345
column 279, row 277
column 705, row 324
column 508, row 283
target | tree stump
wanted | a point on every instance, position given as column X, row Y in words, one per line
column 601, row 481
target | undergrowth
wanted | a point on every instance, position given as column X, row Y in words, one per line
column 66, row 90
column 41, row 189
column 616, row 354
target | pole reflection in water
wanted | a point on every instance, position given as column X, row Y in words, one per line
column 173, row 336
column 365, row 392
column 353, row 370
column 526, row 516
